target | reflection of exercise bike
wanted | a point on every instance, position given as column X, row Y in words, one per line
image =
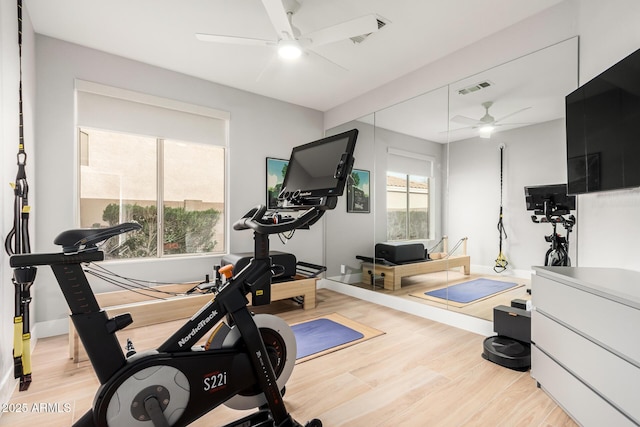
column 247, row 359
column 551, row 204
column 558, row 252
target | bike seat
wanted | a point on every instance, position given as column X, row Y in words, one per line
column 88, row 238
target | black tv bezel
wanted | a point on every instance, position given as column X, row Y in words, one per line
column 315, row 196
column 594, row 167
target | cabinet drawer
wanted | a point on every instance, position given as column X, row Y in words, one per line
column 580, row 402
column 616, row 380
column 608, row 322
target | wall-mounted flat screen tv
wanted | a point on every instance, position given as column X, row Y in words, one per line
column 603, row 130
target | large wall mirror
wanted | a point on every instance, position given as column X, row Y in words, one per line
column 428, row 175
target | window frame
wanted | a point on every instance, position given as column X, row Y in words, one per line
column 406, row 193
column 412, row 163
column 168, row 104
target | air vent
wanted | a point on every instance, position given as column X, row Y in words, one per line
column 381, row 23
column 474, row 88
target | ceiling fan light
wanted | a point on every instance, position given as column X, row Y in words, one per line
column 289, row 49
column 485, row 131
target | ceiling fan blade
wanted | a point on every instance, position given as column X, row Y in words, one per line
column 513, row 124
column 324, row 58
column 234, row 40
column 511, row 114
column 456, row 129
column 465, row 120
column 279, row 19
column 267, row 67
column 356, row 27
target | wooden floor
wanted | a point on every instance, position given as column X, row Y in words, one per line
column 425, row 282
column 419, row 373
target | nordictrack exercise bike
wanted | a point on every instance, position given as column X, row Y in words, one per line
column 247, row 359
column 552, row 205
column 558, row 252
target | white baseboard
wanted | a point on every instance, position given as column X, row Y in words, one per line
column 347, row 278
column 7, row 385
column 350, row 278
column 51, row 328
column 489, row 271
column 462, row 321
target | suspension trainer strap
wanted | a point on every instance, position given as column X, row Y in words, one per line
column 18, row 242
column 501, row 260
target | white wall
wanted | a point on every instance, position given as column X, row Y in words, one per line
column 9, row 77
column 340, row 244
column 533, row 155
column 259, row 127
column 609, row 229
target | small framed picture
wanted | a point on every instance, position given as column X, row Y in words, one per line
column 358, row 196
column 276, row 170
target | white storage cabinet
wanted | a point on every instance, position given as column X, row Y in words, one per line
column 585, row 333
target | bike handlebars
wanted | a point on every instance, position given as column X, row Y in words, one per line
column 568, row 222
column 254, row 220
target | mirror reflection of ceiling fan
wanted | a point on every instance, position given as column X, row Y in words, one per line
column 289, row 42
column 487, row 123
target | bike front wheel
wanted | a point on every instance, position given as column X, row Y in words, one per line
column 556, row 258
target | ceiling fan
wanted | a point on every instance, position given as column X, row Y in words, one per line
column 290, row 43
column 487, row 123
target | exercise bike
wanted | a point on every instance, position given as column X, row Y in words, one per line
column 246, row 360
column 552, row 205
column 558, row 252
column 246, row 364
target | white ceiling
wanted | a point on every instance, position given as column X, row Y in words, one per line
column 161, row 33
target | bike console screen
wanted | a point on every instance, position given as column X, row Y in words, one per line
column 553, row 197
column 318, row 171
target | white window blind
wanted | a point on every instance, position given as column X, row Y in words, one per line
column 106, row 107
column 409, row 163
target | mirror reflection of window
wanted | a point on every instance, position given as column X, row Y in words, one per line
column 407, row 206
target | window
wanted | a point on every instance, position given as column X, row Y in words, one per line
column 173, row 185
column 407, row 207
column 132, row 178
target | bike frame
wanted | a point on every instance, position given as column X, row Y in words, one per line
column 239, row 368
column 559, row 244
column 558, row 252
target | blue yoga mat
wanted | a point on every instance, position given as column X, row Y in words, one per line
column 473, row 290
column 319, row 335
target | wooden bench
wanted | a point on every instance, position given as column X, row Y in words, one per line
column 149, row 310
column 392, row 274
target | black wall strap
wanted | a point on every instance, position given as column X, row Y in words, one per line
column 501, row 260
column 18, row 242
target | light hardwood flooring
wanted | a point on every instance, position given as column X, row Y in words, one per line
column 419, row 373
column 424, row 282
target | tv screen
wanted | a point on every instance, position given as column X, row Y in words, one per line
column 319, row 169
column 603, row 130
column 555, row 196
